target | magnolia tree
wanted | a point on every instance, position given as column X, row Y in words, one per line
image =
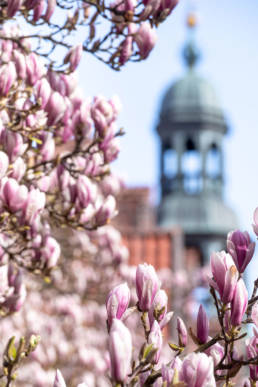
column 56, row 146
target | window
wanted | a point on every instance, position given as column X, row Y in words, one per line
column 213, row 162
column 191, row 167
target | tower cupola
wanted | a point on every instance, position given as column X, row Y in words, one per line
column 191, row 128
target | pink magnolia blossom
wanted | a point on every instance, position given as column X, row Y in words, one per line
column 50, row 252
column 202, row 325
column 34, row 205
column 4, row 163
column 117, row 302
column 145, row 39
column 182, row 332
column 13, row 144
column 55, row 108
column 102, row 114
column 239, row 303
column 38, row 10
column 120, row 349
column 18, row 169
column 147, row 285
column 51, row 5
column 35, row 68
column 7, row 78
column 13, row 6
column 126, row 50
column 20, row 64
column 197, row 371
column 13, row 195
column 73, row 56
column 158, row 308
column 43, row 91
column 155, row 338
column 106, row 211
column 241, row 248
column 225, row 275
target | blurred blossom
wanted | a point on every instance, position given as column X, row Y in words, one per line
column 197, row 371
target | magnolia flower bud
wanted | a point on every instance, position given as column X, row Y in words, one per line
column 168, row 316
column 147, row 285
column 182, row 332
column 47, row 148
column 145, row 39
column 7, row 78
column 50, row 252
column 241, row 248
column 55, row 108
column 18, row 169
column 225, row 275
column 20, row 64
column 126, row 50
column 14, row 195
column 51, row 4
column 4, row 163
column 239, row 303
column 35, row 68
column 158, row 308
column 13, row 6
column 106, row 211
column 13, row 144
column 120, row 350
column 166, row 6
column 117, row 302
column 74, row 56
column 43, row 90
column 102, row 114
column 155, row 338
column 202, row 325
column 59, row 380
column 34, row 204
column 197, row 371
column 86, row 191
column 16, row 299
column 38, row 10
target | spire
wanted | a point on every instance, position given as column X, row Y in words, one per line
column 191, row 53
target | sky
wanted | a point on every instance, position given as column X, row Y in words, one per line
column 227, row 36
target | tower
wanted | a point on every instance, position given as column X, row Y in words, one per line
column 191, row 128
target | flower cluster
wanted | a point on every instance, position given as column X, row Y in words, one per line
column 56, row 148
column 127, row 31
column 215, row 358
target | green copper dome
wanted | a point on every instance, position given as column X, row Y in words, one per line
column 192, row 99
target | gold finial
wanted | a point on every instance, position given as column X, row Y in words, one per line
column 191, row 20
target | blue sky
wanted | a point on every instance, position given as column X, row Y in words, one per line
column 228, row 38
